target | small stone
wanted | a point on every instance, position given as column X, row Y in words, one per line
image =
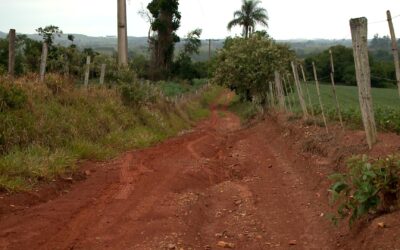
column 270, row 166
column 224, row 244
column 87, row 173
column 292, row 242
column 171, row 246
column 259, row 237
column 238, row 202
column 381, row 225
column 219, row 235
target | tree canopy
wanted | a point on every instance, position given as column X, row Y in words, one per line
column 249, row 15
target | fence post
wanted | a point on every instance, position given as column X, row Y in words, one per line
column 359, row 34
column 103, row 73
column 43, row 61
column 87, row 71
column 271, row 94
column 299, row 91
column 279, row 91
column 332, row 75
column 319, row 97
column 287, row 93
column 308, row 94
column 394, row 49
column 11, row 53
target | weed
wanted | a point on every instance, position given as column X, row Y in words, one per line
column 369, row 187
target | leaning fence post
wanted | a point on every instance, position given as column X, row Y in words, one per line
column 11, row 53
column 359, row 34
column 319, row 97
column 299, row 91
column 334, row 89
column 87, row 71
column 308, row 94
column 394, row 49
column 279, row 91
column 103, row 73
column 43, row 61
column 287, row 93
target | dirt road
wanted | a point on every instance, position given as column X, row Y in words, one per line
column 217, row 186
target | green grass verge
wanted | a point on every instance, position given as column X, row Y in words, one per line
column 45, row 138
column 386, row 104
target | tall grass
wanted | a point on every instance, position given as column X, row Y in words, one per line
column 58, row 124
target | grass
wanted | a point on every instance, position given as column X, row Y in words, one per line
column 172, row 88
column 386, row 104
column 245, row 110
column 45, row 136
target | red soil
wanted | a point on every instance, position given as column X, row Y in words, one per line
column 220, row 185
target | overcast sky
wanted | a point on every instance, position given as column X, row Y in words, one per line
column 289, row 19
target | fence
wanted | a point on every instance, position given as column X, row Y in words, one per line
column 322, row 98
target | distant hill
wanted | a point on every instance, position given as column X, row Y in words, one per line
column 108, row 44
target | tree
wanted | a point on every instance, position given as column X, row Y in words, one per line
column 48, row 33
column 248, row 65
column 183, row 66
column 250, row 15
column 166, row 22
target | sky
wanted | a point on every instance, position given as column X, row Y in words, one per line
column 289, row 19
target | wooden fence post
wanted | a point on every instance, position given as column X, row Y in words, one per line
column 87, row 71
column 102, row 73
column 271, row 95
column 334, row 89
column 319, row 97
column 359, row 34
column 279, row 91
column 292, row 93
column 11, row 53
column 395, row 49
column 308, row 94
column 287, row 93
column 43, row 61
column 299, row 91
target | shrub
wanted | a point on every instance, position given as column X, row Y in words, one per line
column 370, row 186
column 11, row 97
column 138, row 94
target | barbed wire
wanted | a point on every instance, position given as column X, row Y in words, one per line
column 382, row 78
column 381, row 21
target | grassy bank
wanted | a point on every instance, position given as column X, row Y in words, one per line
column 46, row 128
column 386, row 105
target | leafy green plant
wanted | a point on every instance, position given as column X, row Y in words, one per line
column 369, row 187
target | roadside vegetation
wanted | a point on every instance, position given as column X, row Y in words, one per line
column 46, row 129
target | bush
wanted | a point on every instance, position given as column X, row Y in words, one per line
column 369, row 187
column 247, row 65
column 11, row 97
column 136, row 94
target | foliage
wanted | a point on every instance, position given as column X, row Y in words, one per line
column 245, row 110
column 138, row 94
column 166, row 20
column 44, row 139
column 370, row 186
column 381, row 70
column 249, row 15
column 247, row 66
column 11, row 97
column 48, row 33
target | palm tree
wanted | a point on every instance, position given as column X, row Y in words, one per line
column 250, row 15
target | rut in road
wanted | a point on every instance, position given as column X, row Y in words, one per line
column 219, row 182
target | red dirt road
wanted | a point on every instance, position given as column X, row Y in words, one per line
column 243, row 186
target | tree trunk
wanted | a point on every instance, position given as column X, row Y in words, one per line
column 122, row 34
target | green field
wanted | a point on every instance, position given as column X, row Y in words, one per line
column 386, row 103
